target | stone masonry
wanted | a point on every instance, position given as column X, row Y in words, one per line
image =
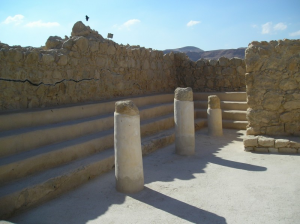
column 86, row 67
column 273, row 87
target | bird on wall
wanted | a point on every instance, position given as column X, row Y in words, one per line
column 87, row 18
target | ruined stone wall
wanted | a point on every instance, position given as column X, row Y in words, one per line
column 210, row 75
column 273, row 87
column 79, row 69
column 86, row 67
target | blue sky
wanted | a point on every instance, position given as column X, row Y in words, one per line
column 164, row 24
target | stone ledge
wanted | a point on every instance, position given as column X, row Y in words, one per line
column 272, row 144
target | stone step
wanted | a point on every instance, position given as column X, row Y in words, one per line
column 46, row 185
column 40, row 159
column 16, row 141
column 235, row 115
column 230, row 124
column 44, row 116
column 225, row 105
column 224, row 96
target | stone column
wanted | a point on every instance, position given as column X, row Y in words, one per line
column 214, row 116
column 128, row 153
column 184, row 121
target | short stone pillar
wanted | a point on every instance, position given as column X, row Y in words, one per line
column 128, row 153
column 184, row 121
column 214, row 116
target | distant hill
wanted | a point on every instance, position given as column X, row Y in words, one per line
column 195, row 53
column 184, row 49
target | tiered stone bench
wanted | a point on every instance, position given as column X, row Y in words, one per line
column 274, row 144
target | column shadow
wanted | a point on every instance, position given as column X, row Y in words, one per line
column 177, row 208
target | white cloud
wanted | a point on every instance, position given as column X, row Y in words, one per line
column 41, row 24
column 266, row 28
column 131, row 22
column 192, row 23
column 254, row 26
column 17, row 19
column 280, row 26
column 127, row 24
column 295, row 34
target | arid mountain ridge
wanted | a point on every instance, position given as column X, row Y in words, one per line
column 195, row 53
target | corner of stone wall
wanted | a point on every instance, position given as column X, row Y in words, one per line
column 273, row 87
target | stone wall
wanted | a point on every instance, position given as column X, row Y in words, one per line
column 210, row 75
column 273, row 87
column 86, row 67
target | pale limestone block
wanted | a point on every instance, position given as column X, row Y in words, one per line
column 266, row 142
column 294, row 144
column 287, row 150
column 250, row 141
column 261, row 149
column 273, row 150
column 249, row 149
column 280, row 143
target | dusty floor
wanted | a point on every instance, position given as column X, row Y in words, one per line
column 220, row 184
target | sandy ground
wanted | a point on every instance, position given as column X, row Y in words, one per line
column 219, row 184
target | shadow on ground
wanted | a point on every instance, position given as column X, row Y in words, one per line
column 94, row 199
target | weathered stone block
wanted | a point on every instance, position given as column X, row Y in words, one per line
column 272, row 100
column 287, row 150
column 223, row 61
column 291, row 105
column 82, row 43
column 47, row 58
column 250, row 141
column 261, row 150
column 273, row 150
column 275, row 130
column 249, row 149
column 266, row 142
column 63, row 60
column 292, row 128
column 295, row 144
column 280, row 143
column 54, row 42
column 288, row 84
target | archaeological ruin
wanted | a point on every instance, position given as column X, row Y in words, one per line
column 57, row 106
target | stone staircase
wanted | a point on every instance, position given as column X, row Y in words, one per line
column 233, row 105
column 46, row 152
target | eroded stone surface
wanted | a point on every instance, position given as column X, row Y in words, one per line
column 279, row 143
column 266, row 142
column 126, row 107
column 184, row 94
column 250, row 141
column 273, row 87
column 214, row 102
